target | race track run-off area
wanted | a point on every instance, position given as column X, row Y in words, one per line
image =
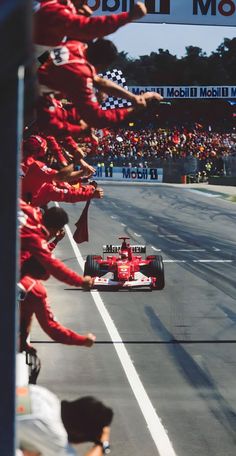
column 164, row 360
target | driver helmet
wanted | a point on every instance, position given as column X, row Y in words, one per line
column 124, row 255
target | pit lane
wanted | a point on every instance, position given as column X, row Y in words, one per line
column 181, row 340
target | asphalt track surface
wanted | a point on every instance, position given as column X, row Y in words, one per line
column 170, row 371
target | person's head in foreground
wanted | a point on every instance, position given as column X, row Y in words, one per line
column 47, row 426
column 101, row 53
column 85, row 418
column 54, row 219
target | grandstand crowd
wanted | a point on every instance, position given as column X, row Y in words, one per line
column 68, row 135
column 144, row 147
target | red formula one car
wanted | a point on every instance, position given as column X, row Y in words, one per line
column 124, row 267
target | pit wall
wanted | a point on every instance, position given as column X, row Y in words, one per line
column 127, row 174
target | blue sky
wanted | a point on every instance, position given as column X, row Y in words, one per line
column 140, row 39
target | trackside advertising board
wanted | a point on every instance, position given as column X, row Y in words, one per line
column 126, row 174
column 199, row 12
column 194, row 92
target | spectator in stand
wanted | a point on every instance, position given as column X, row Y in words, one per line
column 56, row 20
column 72, row 70
column 166, row 144
column 50, row 427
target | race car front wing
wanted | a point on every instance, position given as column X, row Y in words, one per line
column 105, row 281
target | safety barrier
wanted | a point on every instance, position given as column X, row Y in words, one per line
column 128, row 174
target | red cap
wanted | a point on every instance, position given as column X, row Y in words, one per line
column 35, row 145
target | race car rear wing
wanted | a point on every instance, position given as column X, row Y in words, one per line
column 110, row 248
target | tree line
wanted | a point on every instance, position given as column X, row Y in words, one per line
column 195, row 68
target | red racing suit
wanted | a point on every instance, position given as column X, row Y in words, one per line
column 68, row 71
column 36, row 265
column 62, row 192
column 34, row 237
column 39, row 189
column 62, row 121
column 36, row 302
column 36, row 174
column 54, row 119
column 56, row 19
column 56, row 151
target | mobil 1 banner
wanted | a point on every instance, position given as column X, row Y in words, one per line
column 194, row 92
column 128, row 174
column 199, row 12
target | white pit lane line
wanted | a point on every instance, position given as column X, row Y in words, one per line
column 156, row 428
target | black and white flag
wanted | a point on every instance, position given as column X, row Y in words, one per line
column 112, row 102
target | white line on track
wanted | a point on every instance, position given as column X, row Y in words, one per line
column 156, row 428
column 174, row 261
column 188, row 250
column 168, row 235
column 123, row 224
column 209, row 195
column 154, row 248
column 213, row 261
column 113, row 217
column 215, row 249
column 198, row 261
column 138, row 235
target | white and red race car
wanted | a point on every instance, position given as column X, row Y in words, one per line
column 125, row 267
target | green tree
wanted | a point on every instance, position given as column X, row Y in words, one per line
column 227, row 54
column 195, row 68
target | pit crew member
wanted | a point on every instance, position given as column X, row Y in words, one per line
column 56, row 19
column 36, row 172
column 36, row 302
column 72, row 69
column 36, row 229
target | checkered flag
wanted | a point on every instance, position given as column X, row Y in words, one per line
column 112, row 102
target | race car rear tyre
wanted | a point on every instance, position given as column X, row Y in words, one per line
column 91, row 267
column 157, row 270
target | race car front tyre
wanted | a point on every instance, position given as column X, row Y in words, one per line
column 91, row 267
column 156, row 269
